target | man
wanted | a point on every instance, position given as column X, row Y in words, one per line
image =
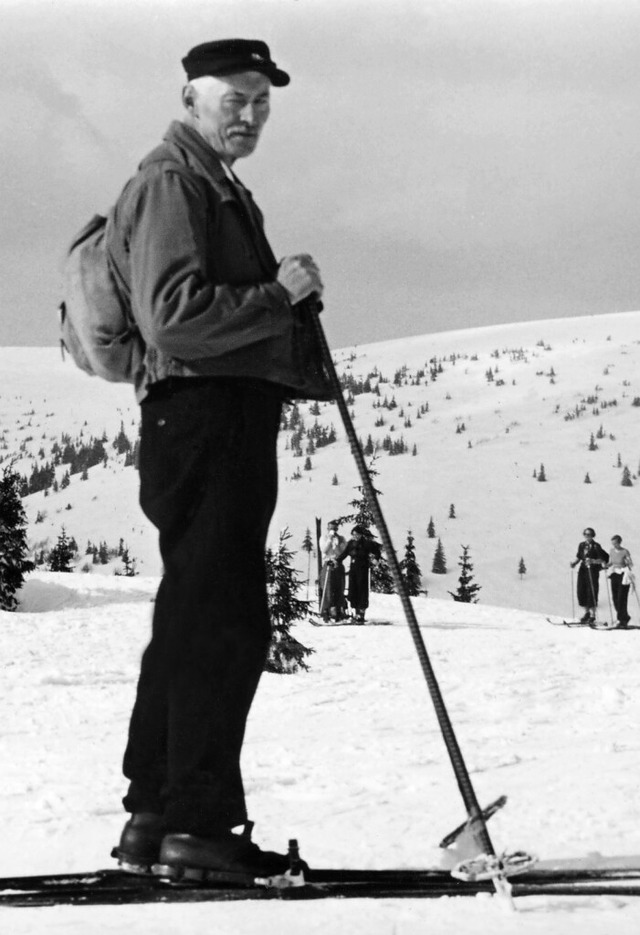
column 225, row 344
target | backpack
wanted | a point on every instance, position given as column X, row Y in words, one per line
column 96, row 322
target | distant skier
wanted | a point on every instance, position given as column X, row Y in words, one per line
column 620, row 566
column 361, row 549
column 332, row 602
column 592, row 558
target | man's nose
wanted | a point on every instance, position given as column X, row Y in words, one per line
column 248, row 114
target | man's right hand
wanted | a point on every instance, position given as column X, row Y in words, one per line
column 300, row 277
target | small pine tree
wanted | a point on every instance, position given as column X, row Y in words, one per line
column 286, row 654
column 467, row 592
column 522, row 568
column 626, row 477
column 431, row 529
column 452, row 512
column 541, row 474
column 307, row 546
column 410, row 569
column 334, row 480
column 361, row 514
column 129, row 565
column 587, row 479
column 439, row 566
column 62, row 554
column 381, row 577
column 13, row 540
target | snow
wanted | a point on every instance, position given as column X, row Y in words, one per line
column 348, row 758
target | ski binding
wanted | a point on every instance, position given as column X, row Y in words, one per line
column 493, row 866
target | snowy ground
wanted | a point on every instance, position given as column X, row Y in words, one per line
column 347, row 757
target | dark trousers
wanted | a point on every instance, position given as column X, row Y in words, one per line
column 588, row 585
column 208, row 481
column 620, row 596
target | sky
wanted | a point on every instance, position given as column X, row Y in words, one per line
column 449, row 163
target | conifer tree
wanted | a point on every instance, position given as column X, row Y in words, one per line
column 467, row 592
column 129, row 565
column 381, row 577
column 307, row 545
column 439, row 566
column 626, row 477
column 411, row 573
column 452, row 511
column 13, row 540
column 286, row 654
column 522, row 568
column 541, row 473
column 431, row 529
column 62, row 554
column 361, row 514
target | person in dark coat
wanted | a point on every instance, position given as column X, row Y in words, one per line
column 592, row 558
column 220, row 318
column 361, row 549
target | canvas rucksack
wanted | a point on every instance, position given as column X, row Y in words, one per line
column 96, row 323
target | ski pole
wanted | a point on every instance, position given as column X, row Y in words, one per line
column 324, row 589
column 573, row 597
column 477, row 823
column 633, row 585
column 592, row 588
column 606, row 584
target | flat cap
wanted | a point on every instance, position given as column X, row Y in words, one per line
column 227, row 56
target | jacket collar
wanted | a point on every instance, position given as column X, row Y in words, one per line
column 196, row 152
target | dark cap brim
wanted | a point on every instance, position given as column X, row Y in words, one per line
column 276, row 76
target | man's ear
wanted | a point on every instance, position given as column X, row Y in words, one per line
column 189, row 99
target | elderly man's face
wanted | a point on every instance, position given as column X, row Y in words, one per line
column 230, row 111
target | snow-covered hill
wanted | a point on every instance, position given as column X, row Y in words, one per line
column 505, row 400
column 348, row 757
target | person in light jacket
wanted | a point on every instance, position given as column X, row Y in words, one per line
column 332, row 601
column 619, row 570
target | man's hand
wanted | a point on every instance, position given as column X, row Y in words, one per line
column 300, row 277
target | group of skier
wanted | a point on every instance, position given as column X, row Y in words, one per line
column 362, row 550
column 592, row 559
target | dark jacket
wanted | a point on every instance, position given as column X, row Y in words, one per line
column 190, row 246
column 594, row 552
column 588, row 581
column 359, row 551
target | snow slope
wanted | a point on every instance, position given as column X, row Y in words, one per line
column 486, row 470
column 348, row 757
